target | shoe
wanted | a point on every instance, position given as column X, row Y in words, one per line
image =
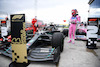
column 73, row 42
column 69, row 41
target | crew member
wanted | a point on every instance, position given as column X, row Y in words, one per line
column 33, row 22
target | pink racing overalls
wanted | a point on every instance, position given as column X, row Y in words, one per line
column 72, row 27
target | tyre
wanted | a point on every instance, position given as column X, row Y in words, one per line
column 57, row 40
column 57, row 63
column 65, row 32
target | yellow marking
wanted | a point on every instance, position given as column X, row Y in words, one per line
column 23, row 35
column 17, row 16
column 21, row 40
column 20, row 50
column 14, row 41
column 20, row 47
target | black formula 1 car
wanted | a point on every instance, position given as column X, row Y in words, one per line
column 45, row 45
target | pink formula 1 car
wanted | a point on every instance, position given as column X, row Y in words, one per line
column 81, row 32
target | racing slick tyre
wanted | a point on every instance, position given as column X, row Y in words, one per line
column 57, row 40
column 57, row 63
column 65, row 32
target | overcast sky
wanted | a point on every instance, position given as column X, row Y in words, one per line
column 47, row 10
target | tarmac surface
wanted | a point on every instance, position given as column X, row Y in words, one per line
column 74, row 55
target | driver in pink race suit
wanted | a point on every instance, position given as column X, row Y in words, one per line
column 73, row 22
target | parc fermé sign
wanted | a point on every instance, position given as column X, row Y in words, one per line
column 18, row 42
column 92, row 32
